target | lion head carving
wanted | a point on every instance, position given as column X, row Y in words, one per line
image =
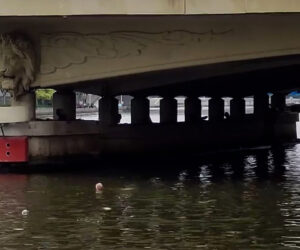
column 17, row 63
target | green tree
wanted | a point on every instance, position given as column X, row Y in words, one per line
column 44, row 97
column 44, row 94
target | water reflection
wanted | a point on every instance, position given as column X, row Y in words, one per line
column 241, row 200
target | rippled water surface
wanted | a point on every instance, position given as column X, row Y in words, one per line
column 248, row 200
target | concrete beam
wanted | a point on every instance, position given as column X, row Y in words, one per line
column 93, row 7
column 241, row 6
column 215, row 6
column 153, row 7
column 272, row 6
column 52, row 128
column 206, row 45
column 21, row 110
column 126, row 54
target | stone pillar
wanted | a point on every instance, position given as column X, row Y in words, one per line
column 261, row 104
column 237, row 108
column 278, row 101
column 64, row 106
column 29, row 103
column 168, row 110
column 216, row 109
column 140, row 110
column 109, row 111
column 192, row 109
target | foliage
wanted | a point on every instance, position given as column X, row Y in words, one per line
column 44, row 94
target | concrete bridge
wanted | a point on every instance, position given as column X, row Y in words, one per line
column 168, row 48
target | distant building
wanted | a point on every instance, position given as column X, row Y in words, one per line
column 4, row 98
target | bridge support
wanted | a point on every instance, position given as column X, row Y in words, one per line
column 140, row 110
column 64, row 105
column 237, row 108
column 216, row 109
column 108, row 110
column 28, row 102
column 278, row 101
column 168, row 110
column 192, row 109
column 261, row 105
column 285, row 122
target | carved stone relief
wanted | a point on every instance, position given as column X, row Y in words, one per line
column 78, row 48
column 61, row 52
column 17, row 63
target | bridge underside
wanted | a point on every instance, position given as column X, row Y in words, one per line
column 126, row 54
column 246, row 78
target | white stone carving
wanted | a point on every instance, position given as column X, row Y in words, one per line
column 17, row 63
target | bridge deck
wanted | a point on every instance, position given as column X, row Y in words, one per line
column 141, row 7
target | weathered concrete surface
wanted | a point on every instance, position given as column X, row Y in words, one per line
column 14, row 114
column 47, row 148
column 21, row 110
column 62, row 139
column 52, row 128
column 241, row 6
column 92, row 7
column 138, row 7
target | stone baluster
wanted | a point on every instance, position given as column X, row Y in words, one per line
column 64, row 105
column 216, row 109
column 140, row 110
column 278, row 101
column 109, row 110
column 168, row 110
column 192, row 109
column 28, row 101
column 261, row 104
column 237, row 108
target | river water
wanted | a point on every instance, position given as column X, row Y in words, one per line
column 241, row 200
column 237, row 200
